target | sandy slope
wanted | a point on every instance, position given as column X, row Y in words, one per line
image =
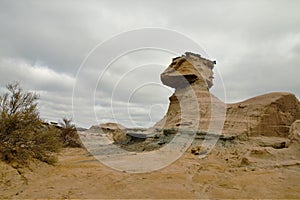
column 230, row 171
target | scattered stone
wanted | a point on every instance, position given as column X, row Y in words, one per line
column 245, row 161
column 274, row 142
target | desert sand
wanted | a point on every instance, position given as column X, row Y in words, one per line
column 243, row 169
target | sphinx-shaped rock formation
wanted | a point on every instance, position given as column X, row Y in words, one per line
column 193, row 106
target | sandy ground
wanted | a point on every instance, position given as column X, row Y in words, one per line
column 225, row 173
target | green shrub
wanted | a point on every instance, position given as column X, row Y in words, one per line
column 68, row 134
column 22, row 135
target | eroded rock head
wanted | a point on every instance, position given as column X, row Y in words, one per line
column 189, row 69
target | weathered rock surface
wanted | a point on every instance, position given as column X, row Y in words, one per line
column 114, row 131
column 268, row 115
column 294, row 135
column 107, row 126
column 9, row 177
column 193, row 106
column 189, row 69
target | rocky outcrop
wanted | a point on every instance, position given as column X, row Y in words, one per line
column 187, row 70
column 294, row 133
column 193, row 106
column 107, row 126
column 190, row 106
column 115, row 132
column 268, row 115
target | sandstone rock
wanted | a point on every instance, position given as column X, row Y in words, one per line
column 268, row 115
column 106, row 127
column 188, row 69
column 197, row 151
column 112, row 126
column 9, row 177
column 114, row 131
column 294, row 133
column 192, row 106
column 245, row 161
column 260, row 153
column 274, row 142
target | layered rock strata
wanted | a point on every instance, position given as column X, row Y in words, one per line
column 193, row 106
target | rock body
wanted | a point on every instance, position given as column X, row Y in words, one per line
column 193, row 106
column 294, row 134
column 268, row 115
column 189, row 69
column 115, row 132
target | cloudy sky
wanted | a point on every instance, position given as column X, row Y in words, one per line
column 49, row 46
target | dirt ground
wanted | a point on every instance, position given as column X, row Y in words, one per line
column 239, row 171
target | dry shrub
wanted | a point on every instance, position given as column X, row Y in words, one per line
column 68, row 134
column 22, row 135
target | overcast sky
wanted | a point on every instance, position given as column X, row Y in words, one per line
column 43, row 43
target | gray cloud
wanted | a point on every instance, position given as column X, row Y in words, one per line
column 256, row 45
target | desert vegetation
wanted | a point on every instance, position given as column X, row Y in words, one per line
column 24, row 135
